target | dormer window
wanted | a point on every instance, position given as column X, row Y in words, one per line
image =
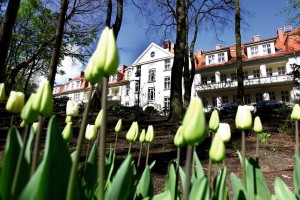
column 267, row 49
column 211, row 59
column 254, row 51
column 221, row 57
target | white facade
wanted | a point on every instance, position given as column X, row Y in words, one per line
column 150, row 79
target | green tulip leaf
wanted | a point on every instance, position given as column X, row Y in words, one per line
column 166, row 195
column 145, row 186
column 239, row 192
column 10, row 158
column 221, row 191
column 123, row 181
column 29, row 146
column 50, row 181
column 282, row 192
column 170, row 184
column 182, row 177
column 200, row 189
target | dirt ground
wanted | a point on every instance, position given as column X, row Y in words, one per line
column 275, row 156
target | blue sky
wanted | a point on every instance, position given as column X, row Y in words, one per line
column 266, row 18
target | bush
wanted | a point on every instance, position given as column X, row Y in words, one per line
column 151, row 110
column 60, row 103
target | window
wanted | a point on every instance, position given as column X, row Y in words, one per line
column 76, row 96
column 138, row 71
column 224, row 99
column 167, row 102
column 167, row 82
column 272, row 95
column 214, row 101
column 126, row 103
column 151, row 75
column 233, row 76
column 204, row 80
column 269, row 72
column 212, row 79
column 137, row 86
column 245, row 73
column 281, row 71
column 256, row 73
column 267, row 48
column 234, row 98
column 205, row 101
column 113, row 78
column 285, row 96
column 254, row 51
column 223, row 78
column 167, row 64
column 258, row 97
column 127, row 90
column 247, row 99
column 128, row 74
column 77, row 84
column 221, row 57
column 211, row 59
column 151, row 94
column 136, row 102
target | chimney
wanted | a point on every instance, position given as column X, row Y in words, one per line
column 256, row 38
column 167, row 44
column 123, row 68
column 218, row 46
column 199, row 53
column 280, row 34
column 81, row 74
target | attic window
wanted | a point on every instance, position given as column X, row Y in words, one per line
column 203, row 63
column 279, row 50
column 232, row 50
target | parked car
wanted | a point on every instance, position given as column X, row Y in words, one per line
column 228, row 109
column 268, row 107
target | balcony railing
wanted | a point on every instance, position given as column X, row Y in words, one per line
column 247, row 82
column 114, row 98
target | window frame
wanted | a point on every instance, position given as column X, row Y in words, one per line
column 151, row 94
column 152, row 75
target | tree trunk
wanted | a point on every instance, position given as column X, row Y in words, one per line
column 58, row 40
column 176, row 110
column 6, row 30
column 239, row 67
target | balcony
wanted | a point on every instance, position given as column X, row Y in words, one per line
column 114, row 98
column 247, row 82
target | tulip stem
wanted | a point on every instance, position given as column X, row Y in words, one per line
column 297, row 137
column 210, row 165
column 147, row 157
column 73, row 173
column 244, row 159
column 87, row 155
column 116, row 142
column 257, row 146
column 37, row 144
column 140, row 154
column 12, row 119
column 188, row 162
column 21, row 155
column 101, row 164
column 129, row 149
column 177, row 172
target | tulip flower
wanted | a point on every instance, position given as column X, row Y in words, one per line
column 217, row 150
column 118, row 127
column 35, row 127
column 194, row 125
column 178, row 139
column 243, row 119
column 43, row 101
column 224, row 132
column 15, row 102
column 150, row 134
column 214, row 121
column 105, row 60
column 257, row 125
column 23, row 123
column 91, row 132
column 295, row 116
column 132, row 133
column 67, row 133
column 99, row 119
column 142, row 136
column 28, row 114
column 68, row 119
column 2, row 92
column 72, row 108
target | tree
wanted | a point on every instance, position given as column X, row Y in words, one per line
column 293, row 6
column 6, row 33
column 58, row 41
column 239, row 67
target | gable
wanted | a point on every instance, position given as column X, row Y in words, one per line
column 153, row 52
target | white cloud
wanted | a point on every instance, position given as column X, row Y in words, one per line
column 72, row 69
